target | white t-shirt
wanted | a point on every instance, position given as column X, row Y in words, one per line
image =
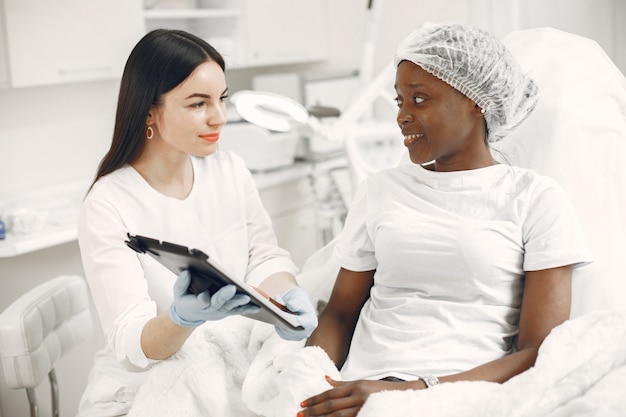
column 450, row 250
column 222, row 216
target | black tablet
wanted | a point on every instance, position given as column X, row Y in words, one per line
column 207, row 276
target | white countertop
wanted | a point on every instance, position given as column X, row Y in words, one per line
column 59, row 207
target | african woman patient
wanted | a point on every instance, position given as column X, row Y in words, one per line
column 454, row 266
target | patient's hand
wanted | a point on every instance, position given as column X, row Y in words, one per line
column 346, row 397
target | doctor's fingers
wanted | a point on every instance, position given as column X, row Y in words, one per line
column 245, row 309
column 220, row 297
column 239, row 300
column 181, row 286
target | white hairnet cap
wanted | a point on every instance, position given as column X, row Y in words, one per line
column 478, row 65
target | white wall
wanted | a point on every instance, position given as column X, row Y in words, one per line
column 51, row 135
column 601, row 20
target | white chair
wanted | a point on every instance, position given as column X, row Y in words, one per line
column 577, row 135
column 38, row 328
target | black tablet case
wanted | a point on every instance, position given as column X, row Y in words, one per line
column 207, row 276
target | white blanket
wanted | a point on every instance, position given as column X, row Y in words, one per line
column 205, row 376
column 581, row 370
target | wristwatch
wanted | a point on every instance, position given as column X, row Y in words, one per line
column 430, row 380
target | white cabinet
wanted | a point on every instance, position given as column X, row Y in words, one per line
column 249, row 33
column 61, row 41
column 289, row 202
column 216, row 21
column 296, row 232
column 284, row 31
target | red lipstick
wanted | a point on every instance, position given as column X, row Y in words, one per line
column 211, row 137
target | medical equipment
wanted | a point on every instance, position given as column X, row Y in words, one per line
column 271, row 111
column 373, row 146
column 282, row 120
column 261, row 149
column 269, row 130
column 263, row 129
column 371, row 143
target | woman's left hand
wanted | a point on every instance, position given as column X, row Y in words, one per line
column 345, row 399
column 297, row 300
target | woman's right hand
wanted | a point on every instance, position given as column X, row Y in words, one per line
column 191, row 310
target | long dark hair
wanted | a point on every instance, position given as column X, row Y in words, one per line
column 159, row 62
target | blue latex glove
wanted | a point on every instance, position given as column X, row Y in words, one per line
column 297, row 300
column 191, row 310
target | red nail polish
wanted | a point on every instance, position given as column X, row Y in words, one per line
column 299, row 414
column 303, row 404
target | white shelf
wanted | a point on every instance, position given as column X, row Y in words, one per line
column 191, row 13
column 14, row 245
column 60, row 205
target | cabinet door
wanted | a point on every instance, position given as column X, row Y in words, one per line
column 297, row 232
column 284, row 31
column 291, row 207
column 60, row 41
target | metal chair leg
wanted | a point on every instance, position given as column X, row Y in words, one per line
column 32, row 402
column 54, row 390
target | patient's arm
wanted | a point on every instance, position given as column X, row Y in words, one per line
column 337, row 322
column 545, row 305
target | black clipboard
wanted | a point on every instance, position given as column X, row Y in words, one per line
column 207, row 276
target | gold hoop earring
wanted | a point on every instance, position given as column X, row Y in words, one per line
column 149, row 133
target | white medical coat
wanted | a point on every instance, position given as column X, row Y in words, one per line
column 222, row 216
